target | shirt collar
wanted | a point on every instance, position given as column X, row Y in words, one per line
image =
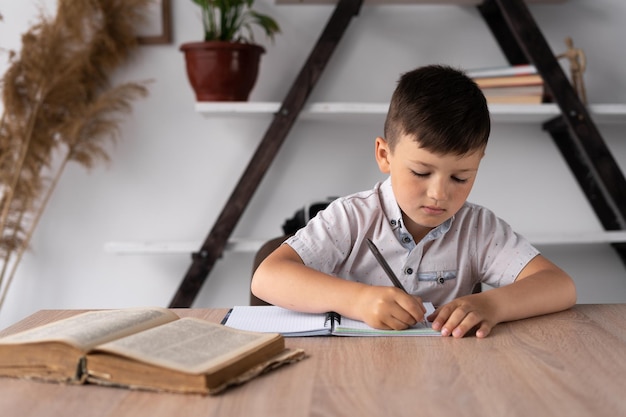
column 390, row 205
column 394, row 214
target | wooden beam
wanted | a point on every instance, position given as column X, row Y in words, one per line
column 213, row 246
column 594, row 161
column 574, row 132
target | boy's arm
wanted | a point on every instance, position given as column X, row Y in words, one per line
column 282, row 279
column 540, row 288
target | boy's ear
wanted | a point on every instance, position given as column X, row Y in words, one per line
column 382, row 155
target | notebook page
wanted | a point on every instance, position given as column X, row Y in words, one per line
column 358, row 328
column 349, row 327
column 272, row 319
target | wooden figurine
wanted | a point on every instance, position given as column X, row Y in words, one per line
column 578, row 64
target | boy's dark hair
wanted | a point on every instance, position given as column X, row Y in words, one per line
column 442, row 108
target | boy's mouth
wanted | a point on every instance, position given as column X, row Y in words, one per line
column 434, row 210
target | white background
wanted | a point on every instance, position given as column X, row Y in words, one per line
column 174, row 168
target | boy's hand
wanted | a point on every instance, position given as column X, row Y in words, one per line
column 462, row 315
column 388, row 308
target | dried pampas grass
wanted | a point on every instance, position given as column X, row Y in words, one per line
column 59, row 107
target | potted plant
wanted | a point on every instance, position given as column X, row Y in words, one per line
column 224, row 67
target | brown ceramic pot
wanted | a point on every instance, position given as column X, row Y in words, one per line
column 222, row 71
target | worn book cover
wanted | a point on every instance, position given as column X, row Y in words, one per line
column 144, row 348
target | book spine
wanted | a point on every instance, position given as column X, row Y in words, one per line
column 502, row 71
column 521, row 80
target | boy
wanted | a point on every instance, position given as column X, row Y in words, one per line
column 439, row 245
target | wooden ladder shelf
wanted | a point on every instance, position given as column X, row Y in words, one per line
column 521, row 41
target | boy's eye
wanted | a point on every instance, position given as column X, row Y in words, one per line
column 426, row 174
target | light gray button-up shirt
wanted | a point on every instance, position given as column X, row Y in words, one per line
column 473, row 246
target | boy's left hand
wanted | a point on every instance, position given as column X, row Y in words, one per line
column 540, row 288
column 462, row 315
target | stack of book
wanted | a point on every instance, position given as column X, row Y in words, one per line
column 517, row 84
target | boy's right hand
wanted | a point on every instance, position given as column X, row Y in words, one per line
column 388, row 308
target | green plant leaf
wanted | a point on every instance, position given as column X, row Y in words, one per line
column 233, row 21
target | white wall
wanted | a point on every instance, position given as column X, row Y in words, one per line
column 173, row 169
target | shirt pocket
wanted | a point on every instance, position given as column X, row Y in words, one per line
column 439, row 277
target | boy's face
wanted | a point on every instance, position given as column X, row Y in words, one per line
column 429, row 188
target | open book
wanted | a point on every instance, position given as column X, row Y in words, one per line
column 146, row 348
column 294, row 324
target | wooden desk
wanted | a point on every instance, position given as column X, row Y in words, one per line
column 566, row 364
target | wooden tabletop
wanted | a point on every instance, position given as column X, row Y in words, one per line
column 566, row 364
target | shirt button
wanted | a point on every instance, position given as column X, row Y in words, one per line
column 406, row 239
column 409, row 271
column 393, row 222
column 441, row 280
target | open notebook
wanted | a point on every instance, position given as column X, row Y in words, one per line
column 290, row 323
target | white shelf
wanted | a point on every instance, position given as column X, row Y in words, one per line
column 239, row 108
column 253, row 245
column 500, row 113
column 153, row 248
column 578, row 238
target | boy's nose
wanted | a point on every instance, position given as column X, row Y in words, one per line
column 437, row 191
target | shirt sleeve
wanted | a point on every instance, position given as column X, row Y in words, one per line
column 502, row 253
column 326, row 240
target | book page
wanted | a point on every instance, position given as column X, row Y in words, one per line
column 278, row 320
column 188, row 344
column 87, row 330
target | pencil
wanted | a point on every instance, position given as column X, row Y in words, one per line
column 379, row 257
column 394, row 279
